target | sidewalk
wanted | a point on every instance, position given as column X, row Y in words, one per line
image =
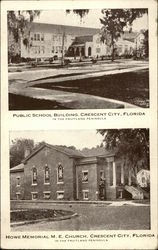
column 23, row 84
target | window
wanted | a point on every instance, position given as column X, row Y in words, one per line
column 18, row 195
column 60, row 195
column 85, row 176
column 85, row 194
column 46, row 195
column 56, row 51
column 42, row 37
column 42, row 49
column 54, row 37
column 38, row 49
column 46, row 175
column 34, row 195
column 35, row 49
column 35, row 37
column 102, row 178
column 60, row 174
column 17, row 181
column 34, row 176
column 53, row 49
column 38, row 37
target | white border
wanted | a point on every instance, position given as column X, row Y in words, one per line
column 149, row 121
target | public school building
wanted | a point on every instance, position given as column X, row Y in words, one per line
column 61, row 173
column 49, row 40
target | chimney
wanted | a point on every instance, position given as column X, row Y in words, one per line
column 26, row 152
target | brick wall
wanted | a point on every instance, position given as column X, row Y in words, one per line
column 52, row 158
column 91, row 185
column 14, row 187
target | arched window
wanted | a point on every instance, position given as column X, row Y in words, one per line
column 34, row 176
column 46, row 174
column 89, row 51
column 60, row 174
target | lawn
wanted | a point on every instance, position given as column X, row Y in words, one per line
column 93, row 217
column 36, row 214
column 17, row 102
column 131, row 87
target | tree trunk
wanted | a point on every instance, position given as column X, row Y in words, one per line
column 62, row 58
column 113, row 49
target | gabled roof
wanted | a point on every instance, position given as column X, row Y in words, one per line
column 18, row 168
column 59, row 29
column 74, row 153
column 63, row 149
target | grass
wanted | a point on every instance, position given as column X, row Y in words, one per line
column 36, row 214
column 131, row 87
column 96, row 217
column 17, row 102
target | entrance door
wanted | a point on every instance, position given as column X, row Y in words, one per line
column 89, row 51
column 101, row 192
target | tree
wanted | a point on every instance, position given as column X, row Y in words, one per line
column 130, row 144
column 18, row 149
column 146, row 43
column 79, row 12
column 114, row 21
column 18, row 23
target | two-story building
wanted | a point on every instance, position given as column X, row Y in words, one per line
column 49, row 40
column 61, row 173
column 53, row 40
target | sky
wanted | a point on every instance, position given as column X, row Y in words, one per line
column 90, row 20
column 78, row 138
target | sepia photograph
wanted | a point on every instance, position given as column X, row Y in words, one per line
column 78, row 59
column 65, row 180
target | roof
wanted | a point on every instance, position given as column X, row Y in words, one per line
column 95, row 152
column 83, row 39
column 100, row 151
column 63, row 149
column 146, row 171
column 59, row 29
column 130, row 36
column 18, row 168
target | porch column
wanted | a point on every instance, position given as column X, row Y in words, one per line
column 129, row 177
column 76, row 184
column 80, row 53
column 114, row 174
column 74, row 52
column 122, row 174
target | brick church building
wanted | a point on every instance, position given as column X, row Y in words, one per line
column 61, row 173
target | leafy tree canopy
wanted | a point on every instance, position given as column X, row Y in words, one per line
column 79, row 12
column 17, row 150
column 115, row 20
column 18, row 21
column 131, row 144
